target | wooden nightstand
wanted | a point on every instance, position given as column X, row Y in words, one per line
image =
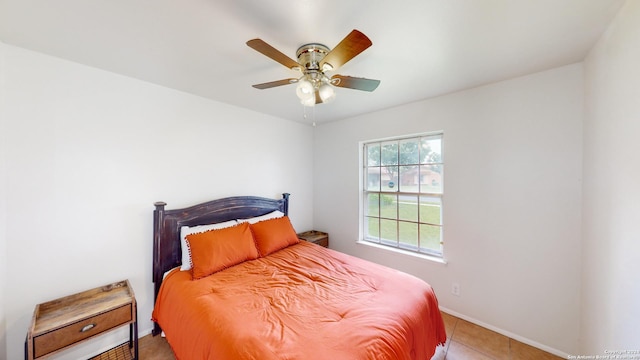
column 68, row 321
column 316, row 237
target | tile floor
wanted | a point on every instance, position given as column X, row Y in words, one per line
column 469, row 341
column 466, row 341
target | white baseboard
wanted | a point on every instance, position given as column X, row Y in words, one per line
column 523, row 340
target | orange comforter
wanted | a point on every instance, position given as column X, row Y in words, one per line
column 302, row 302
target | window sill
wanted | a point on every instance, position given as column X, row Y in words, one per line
column 404, row 252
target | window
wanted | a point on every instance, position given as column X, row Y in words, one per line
column 402, row 193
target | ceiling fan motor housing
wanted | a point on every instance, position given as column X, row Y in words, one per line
column 310, row 55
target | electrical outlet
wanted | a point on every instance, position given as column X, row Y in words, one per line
column 455, row 289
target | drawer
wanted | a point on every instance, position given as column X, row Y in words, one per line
column 322, row 242
column 65, row 336
column 316, row 237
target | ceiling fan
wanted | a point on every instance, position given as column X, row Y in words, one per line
column 314, row 61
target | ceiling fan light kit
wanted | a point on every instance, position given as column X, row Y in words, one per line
column 305, row 92
column 326, row 92
column 313, row 61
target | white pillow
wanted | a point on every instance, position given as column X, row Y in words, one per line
column 272, row 215
column 188, row 230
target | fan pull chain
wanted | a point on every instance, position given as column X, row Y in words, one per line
column 313, row 114
column 314, row 117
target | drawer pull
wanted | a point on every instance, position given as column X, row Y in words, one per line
column 87, row 328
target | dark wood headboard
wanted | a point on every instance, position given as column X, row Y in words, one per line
column 167, row 253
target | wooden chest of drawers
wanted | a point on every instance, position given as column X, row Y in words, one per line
column 316, row 237
column 64, row 322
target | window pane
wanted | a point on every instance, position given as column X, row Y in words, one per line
column 408, row 179
column 372, row 205
column 372, row 227
column 409, row 153
column 389, row 206
column 408, row 235
column 431, row 210
column 430, row 237
column 431, row 179
column 389, row 230
column 431, row 150
column 388, row 178
column 373, row 154
column 408, row 208
column 372, row 178
column 389, row 153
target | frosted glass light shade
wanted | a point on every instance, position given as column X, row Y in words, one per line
column 309, row 102
column 327, row 94
column 305, row 90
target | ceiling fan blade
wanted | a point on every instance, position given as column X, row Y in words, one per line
column 352, row 45
column 318, row 98
column 354, row 82
column 269, row 51
column 271, row 84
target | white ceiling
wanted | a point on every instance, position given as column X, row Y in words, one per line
column 421, row 48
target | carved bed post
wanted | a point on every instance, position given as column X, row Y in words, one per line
column 285, row 196
column 158, row 219
column 158, row 215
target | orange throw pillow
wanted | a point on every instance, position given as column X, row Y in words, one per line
column 215, row 250
column 273, row 235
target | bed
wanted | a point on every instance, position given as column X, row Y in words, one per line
column 279, row 297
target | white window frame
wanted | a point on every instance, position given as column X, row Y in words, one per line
column 438, row 197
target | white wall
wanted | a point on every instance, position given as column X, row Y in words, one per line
column 512, row 202
column 611, row 247
column 88, row 154
column 3, row 201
